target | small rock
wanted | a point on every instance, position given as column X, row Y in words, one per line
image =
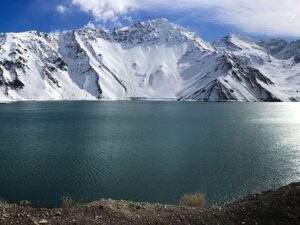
column 98, row 217
column 43, row 221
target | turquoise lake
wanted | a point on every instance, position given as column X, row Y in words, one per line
column 146, row 151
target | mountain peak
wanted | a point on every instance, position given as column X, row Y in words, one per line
column 157, row 31
column 159, row 21
column 233, row 42
column 156, row 24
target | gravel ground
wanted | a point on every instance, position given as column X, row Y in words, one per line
column 281, row 206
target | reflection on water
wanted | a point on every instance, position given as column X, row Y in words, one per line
column 146, row 151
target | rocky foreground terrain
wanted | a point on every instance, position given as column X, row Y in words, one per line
column 281, row 206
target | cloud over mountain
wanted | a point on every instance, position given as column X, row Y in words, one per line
column 254, row 16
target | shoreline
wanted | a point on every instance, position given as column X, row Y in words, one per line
column 281, row 206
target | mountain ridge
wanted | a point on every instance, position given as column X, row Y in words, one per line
column 149, row 60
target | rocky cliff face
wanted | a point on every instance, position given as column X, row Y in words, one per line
column 149, row 60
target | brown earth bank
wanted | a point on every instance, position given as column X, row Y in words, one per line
column 280, row 206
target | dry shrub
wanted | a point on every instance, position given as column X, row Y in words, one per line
column 3, row 202
column 196, row 200
column 68, row 202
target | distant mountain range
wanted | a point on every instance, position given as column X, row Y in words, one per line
column 148, row 60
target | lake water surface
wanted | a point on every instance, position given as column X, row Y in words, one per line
column 146, row 151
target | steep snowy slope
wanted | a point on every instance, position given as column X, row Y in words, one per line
column 274, row 59
column 149, row 60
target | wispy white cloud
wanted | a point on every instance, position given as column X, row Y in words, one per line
column 107, row 10
column 280, row 17
column 61, row 8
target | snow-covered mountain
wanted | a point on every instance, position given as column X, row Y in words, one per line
column 149, row 60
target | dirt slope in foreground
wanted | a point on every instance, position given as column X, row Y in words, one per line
column 281, row 206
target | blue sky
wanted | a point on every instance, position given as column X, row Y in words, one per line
column 211, row 19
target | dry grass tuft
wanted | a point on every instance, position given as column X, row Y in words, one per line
column 196, row 200
column 3, row 202
column 68, row 202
